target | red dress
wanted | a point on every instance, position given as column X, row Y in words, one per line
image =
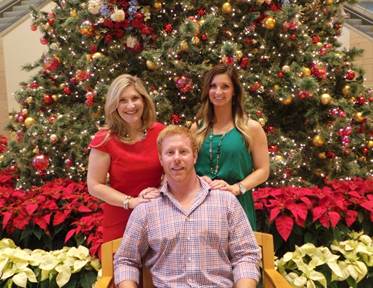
column 133, row 167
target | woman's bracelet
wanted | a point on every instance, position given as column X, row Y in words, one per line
column 126, row 202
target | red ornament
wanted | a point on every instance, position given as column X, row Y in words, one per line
column 168, row 27
column 350, row 75
column 89, row 98
column 44, row 41
column 273, row 148
column 244, row 62
column 255, row 87
column 93, row 49
column 330, row 154
column 51, row 63
column 365, row 150
column 34, row 27
column 303, row 94
column 40, row 162
column 47, row 99
column 81, row 75
column 280, row 74
column 315, row 39
column 175, row 118
column 34, row 85
column 204, row 37
column 67, row 90
column 201, row 12
column 184, row 84
column 68, row 163
column 361, row 100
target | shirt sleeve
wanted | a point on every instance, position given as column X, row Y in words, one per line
column 243, row 249
column 127, row 260
column 100, row 141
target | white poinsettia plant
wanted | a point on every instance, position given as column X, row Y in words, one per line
column 23, row 266
column 347, row 259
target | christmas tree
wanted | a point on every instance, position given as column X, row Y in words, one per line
column 301, row 85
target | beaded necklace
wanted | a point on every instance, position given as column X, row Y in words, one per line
column 127, row 137
column 214, row 170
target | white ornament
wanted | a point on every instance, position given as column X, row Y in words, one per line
column 118, row 15
column 94, row 6
column 131, row 42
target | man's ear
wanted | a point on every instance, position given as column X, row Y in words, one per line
column 160, row 159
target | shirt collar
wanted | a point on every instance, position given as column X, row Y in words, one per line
column 205, row 188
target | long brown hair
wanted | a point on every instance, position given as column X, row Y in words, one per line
column 205, row 114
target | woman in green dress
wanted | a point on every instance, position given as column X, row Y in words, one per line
column 233, row 152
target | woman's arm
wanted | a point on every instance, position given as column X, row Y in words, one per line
column 98, row 167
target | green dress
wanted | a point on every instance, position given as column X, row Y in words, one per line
column 234, row 164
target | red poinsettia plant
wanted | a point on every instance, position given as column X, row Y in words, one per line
column 50, row 215
column 339, row 202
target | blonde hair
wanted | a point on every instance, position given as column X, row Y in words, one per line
column 114, row 123
column 205, row 114
column 173, row 130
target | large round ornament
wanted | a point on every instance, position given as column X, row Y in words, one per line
column 318, row 141
column 326, row 99
column 29, row 121
column 269, row 23
column 40, row 162
column 86, row 28
column 227, row 8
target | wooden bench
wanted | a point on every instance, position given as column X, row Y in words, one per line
column 270, row 277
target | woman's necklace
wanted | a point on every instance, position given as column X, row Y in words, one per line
column 214, row 170
column 128, row 138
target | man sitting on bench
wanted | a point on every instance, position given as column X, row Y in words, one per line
column 190, row 236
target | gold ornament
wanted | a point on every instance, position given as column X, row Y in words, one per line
column 318, row 141
column 259, row 2
column 262, row 121
column 276, row 87
column 188, row 123
column 346, row 90
column 86, row 28
column 306, row 71
column 36, row 150
column 322, row 155
column 287, row 101
column 24, row 111
column 54, row 97
column 88, row 57
column 359, row 117
column 370, row 144
column 157, row 5
column 73, row 13
column 151, row 65
column 183, row 46
column 29, row 121
column 97, row 55
column 195, row 40
column 329, row 2
column 29, row 100
column 279, row 158
column 227, row 8
column 239, row 54
column 269, row 23
column 2, row 157
column 326, row 99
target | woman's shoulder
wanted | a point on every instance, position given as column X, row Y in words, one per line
column 156, row 127
column 100, row 137
column 253, row 126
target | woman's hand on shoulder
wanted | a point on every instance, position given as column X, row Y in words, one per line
column 222, row 185
column 144, row 196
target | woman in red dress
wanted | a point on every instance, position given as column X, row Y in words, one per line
column 126, row 151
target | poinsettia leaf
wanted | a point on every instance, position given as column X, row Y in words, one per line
column 41, row 223
column 318, row 212
column 84, row 209
column 6, row 218
column 59, row 217
column 299, row 211
column 70, row 234
column 368, row 205
column 31, row 208
column 350, row 218
column 284, row 225
column 274, row 213
column 334, row 218
column 324, row 220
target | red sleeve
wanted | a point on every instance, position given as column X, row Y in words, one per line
column 100, row 141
